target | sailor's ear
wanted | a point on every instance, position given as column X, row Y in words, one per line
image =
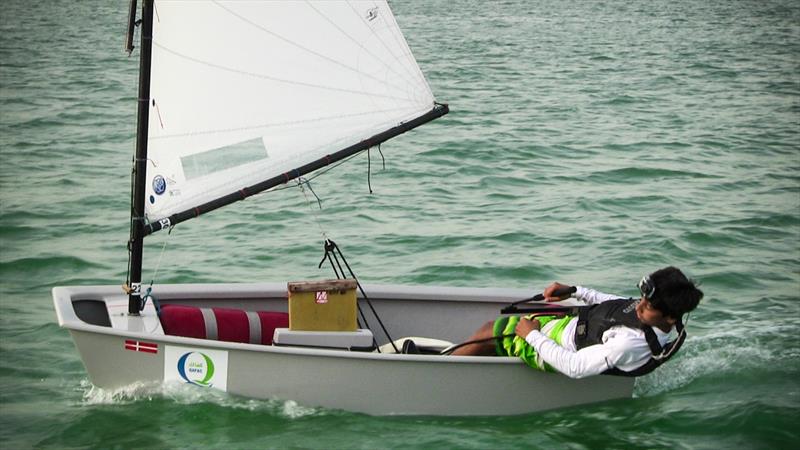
column 671, row 320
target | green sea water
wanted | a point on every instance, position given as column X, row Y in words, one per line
column 588, row 142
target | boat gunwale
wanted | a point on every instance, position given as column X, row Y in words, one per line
column 63, row 297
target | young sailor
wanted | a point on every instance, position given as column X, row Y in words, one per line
column 613, row 335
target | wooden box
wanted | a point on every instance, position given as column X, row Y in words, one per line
column 328, row 305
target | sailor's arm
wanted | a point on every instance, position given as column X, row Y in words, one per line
column 589, row 296
column 592, row 360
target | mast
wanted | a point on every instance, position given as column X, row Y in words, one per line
column 135, row 245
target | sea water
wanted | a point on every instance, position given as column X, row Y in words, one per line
column 588, row 142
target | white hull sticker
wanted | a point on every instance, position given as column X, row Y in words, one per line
column 201, row 367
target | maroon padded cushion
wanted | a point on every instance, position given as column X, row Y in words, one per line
column 187, row 321
column 269, row 321
column 232, row 324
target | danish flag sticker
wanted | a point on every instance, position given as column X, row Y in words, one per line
column 140, row 346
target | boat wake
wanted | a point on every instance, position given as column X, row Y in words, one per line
column 727, row 352
column 185, row 394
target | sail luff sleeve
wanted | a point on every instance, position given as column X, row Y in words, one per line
column 437, row 111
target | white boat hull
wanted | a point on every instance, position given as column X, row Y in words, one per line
column 134, row 349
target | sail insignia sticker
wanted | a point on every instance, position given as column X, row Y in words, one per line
column 159, row 185
column 372, row 14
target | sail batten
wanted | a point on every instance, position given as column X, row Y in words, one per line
column 243, row 92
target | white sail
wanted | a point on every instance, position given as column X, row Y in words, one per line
column 242, row 91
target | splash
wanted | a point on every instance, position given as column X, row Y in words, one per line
column 732, row 350
column 185, row 394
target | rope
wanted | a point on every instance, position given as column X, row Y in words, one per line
column 153, row 299
column 160, row 257
column 454, row 347
column 148, row 293
column 303, row 181
column 369, row 167
column 332, row 249
column 369, row 172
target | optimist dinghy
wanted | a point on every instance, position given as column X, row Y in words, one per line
column 237, row 98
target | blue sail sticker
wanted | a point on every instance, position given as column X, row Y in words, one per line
column 159, row 185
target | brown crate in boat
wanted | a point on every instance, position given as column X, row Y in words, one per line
column 328, row 305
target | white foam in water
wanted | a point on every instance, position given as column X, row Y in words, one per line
column 729, row 349
column 294, row 411
column 138, row 391
column 185, row 394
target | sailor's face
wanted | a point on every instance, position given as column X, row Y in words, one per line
column 649, row 315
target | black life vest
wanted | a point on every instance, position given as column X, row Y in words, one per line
column 595, row 320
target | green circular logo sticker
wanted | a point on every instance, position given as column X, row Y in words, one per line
column 196, row 368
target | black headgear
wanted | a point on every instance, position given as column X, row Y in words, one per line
column 648, row 290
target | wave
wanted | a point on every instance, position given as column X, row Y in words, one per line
column 736, row 350
column 626, row 174
column 29, row 267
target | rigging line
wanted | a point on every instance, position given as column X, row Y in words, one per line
column 369, row 167
column 258, row 169
column 323, row 159
column 317, row 173
column 276, row 79
column 275, row 125
column 160, row 257
column 295, row 44
column 320, row 172
column 330, row 252
column 327, row 257
column 339, row 273
column 336, row 250
column 300, row 182
column 383, row 158
column 376, row 57
column 330, row 256
column 414, row 76
column 369, row 172
column 249, row 175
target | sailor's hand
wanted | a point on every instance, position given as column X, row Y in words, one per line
column 549, row 292
column 525, row 326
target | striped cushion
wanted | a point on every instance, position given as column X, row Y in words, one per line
column 222, row 324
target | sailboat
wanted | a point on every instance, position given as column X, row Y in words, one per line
column 237, row 98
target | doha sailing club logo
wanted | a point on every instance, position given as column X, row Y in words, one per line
column 196, row 368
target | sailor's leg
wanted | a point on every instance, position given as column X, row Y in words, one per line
column 483, row 348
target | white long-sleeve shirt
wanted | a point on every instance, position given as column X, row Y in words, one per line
column 622, row 347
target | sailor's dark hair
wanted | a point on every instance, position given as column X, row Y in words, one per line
column 675, row 294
